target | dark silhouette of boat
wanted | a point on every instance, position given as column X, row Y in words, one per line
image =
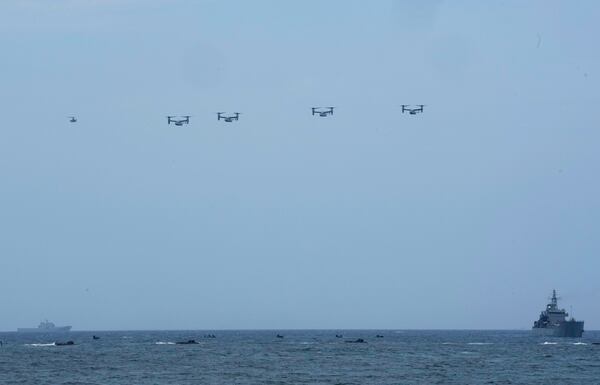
column 45, row 327
column 357, row 341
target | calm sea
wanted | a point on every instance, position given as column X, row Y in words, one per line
column 300, row 357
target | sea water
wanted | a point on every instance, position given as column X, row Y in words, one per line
column 300, row 357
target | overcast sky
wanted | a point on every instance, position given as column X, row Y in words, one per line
column 465, row 216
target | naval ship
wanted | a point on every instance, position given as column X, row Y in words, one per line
column 45, row 327
column 553, row 322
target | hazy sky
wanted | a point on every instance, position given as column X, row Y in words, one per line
column 466, row 216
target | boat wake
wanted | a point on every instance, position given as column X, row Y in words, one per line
column 164, row 343
column 41, row 345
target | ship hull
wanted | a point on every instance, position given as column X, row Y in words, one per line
column 58, row 329
column 569, row 329
column 572, row 329
column 543, row 331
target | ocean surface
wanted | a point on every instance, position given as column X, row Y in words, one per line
column 300, row 357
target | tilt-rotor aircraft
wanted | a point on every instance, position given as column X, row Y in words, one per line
column 228, row 118
column 184, row 119
column 322, row 111
column 412, row 111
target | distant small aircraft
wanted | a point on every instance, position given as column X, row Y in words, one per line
column 178, row 122
column 72, row 119
column 412, row 111
column 228, row 118
column 322, row 111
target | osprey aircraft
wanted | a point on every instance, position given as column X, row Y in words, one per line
column 412, row 111
column 178, row 122
column 322, row 111
column 228, row 118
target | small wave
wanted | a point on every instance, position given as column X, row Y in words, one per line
column 40, row 345
column 480, row 343
column 579, row 343
column 549, row 343
column 164, row 343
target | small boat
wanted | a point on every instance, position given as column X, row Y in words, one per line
column 188, row 342
column 357, row 341
column 68, row 343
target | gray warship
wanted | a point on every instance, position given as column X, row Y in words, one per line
column 553, row 322
column 45, row 327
